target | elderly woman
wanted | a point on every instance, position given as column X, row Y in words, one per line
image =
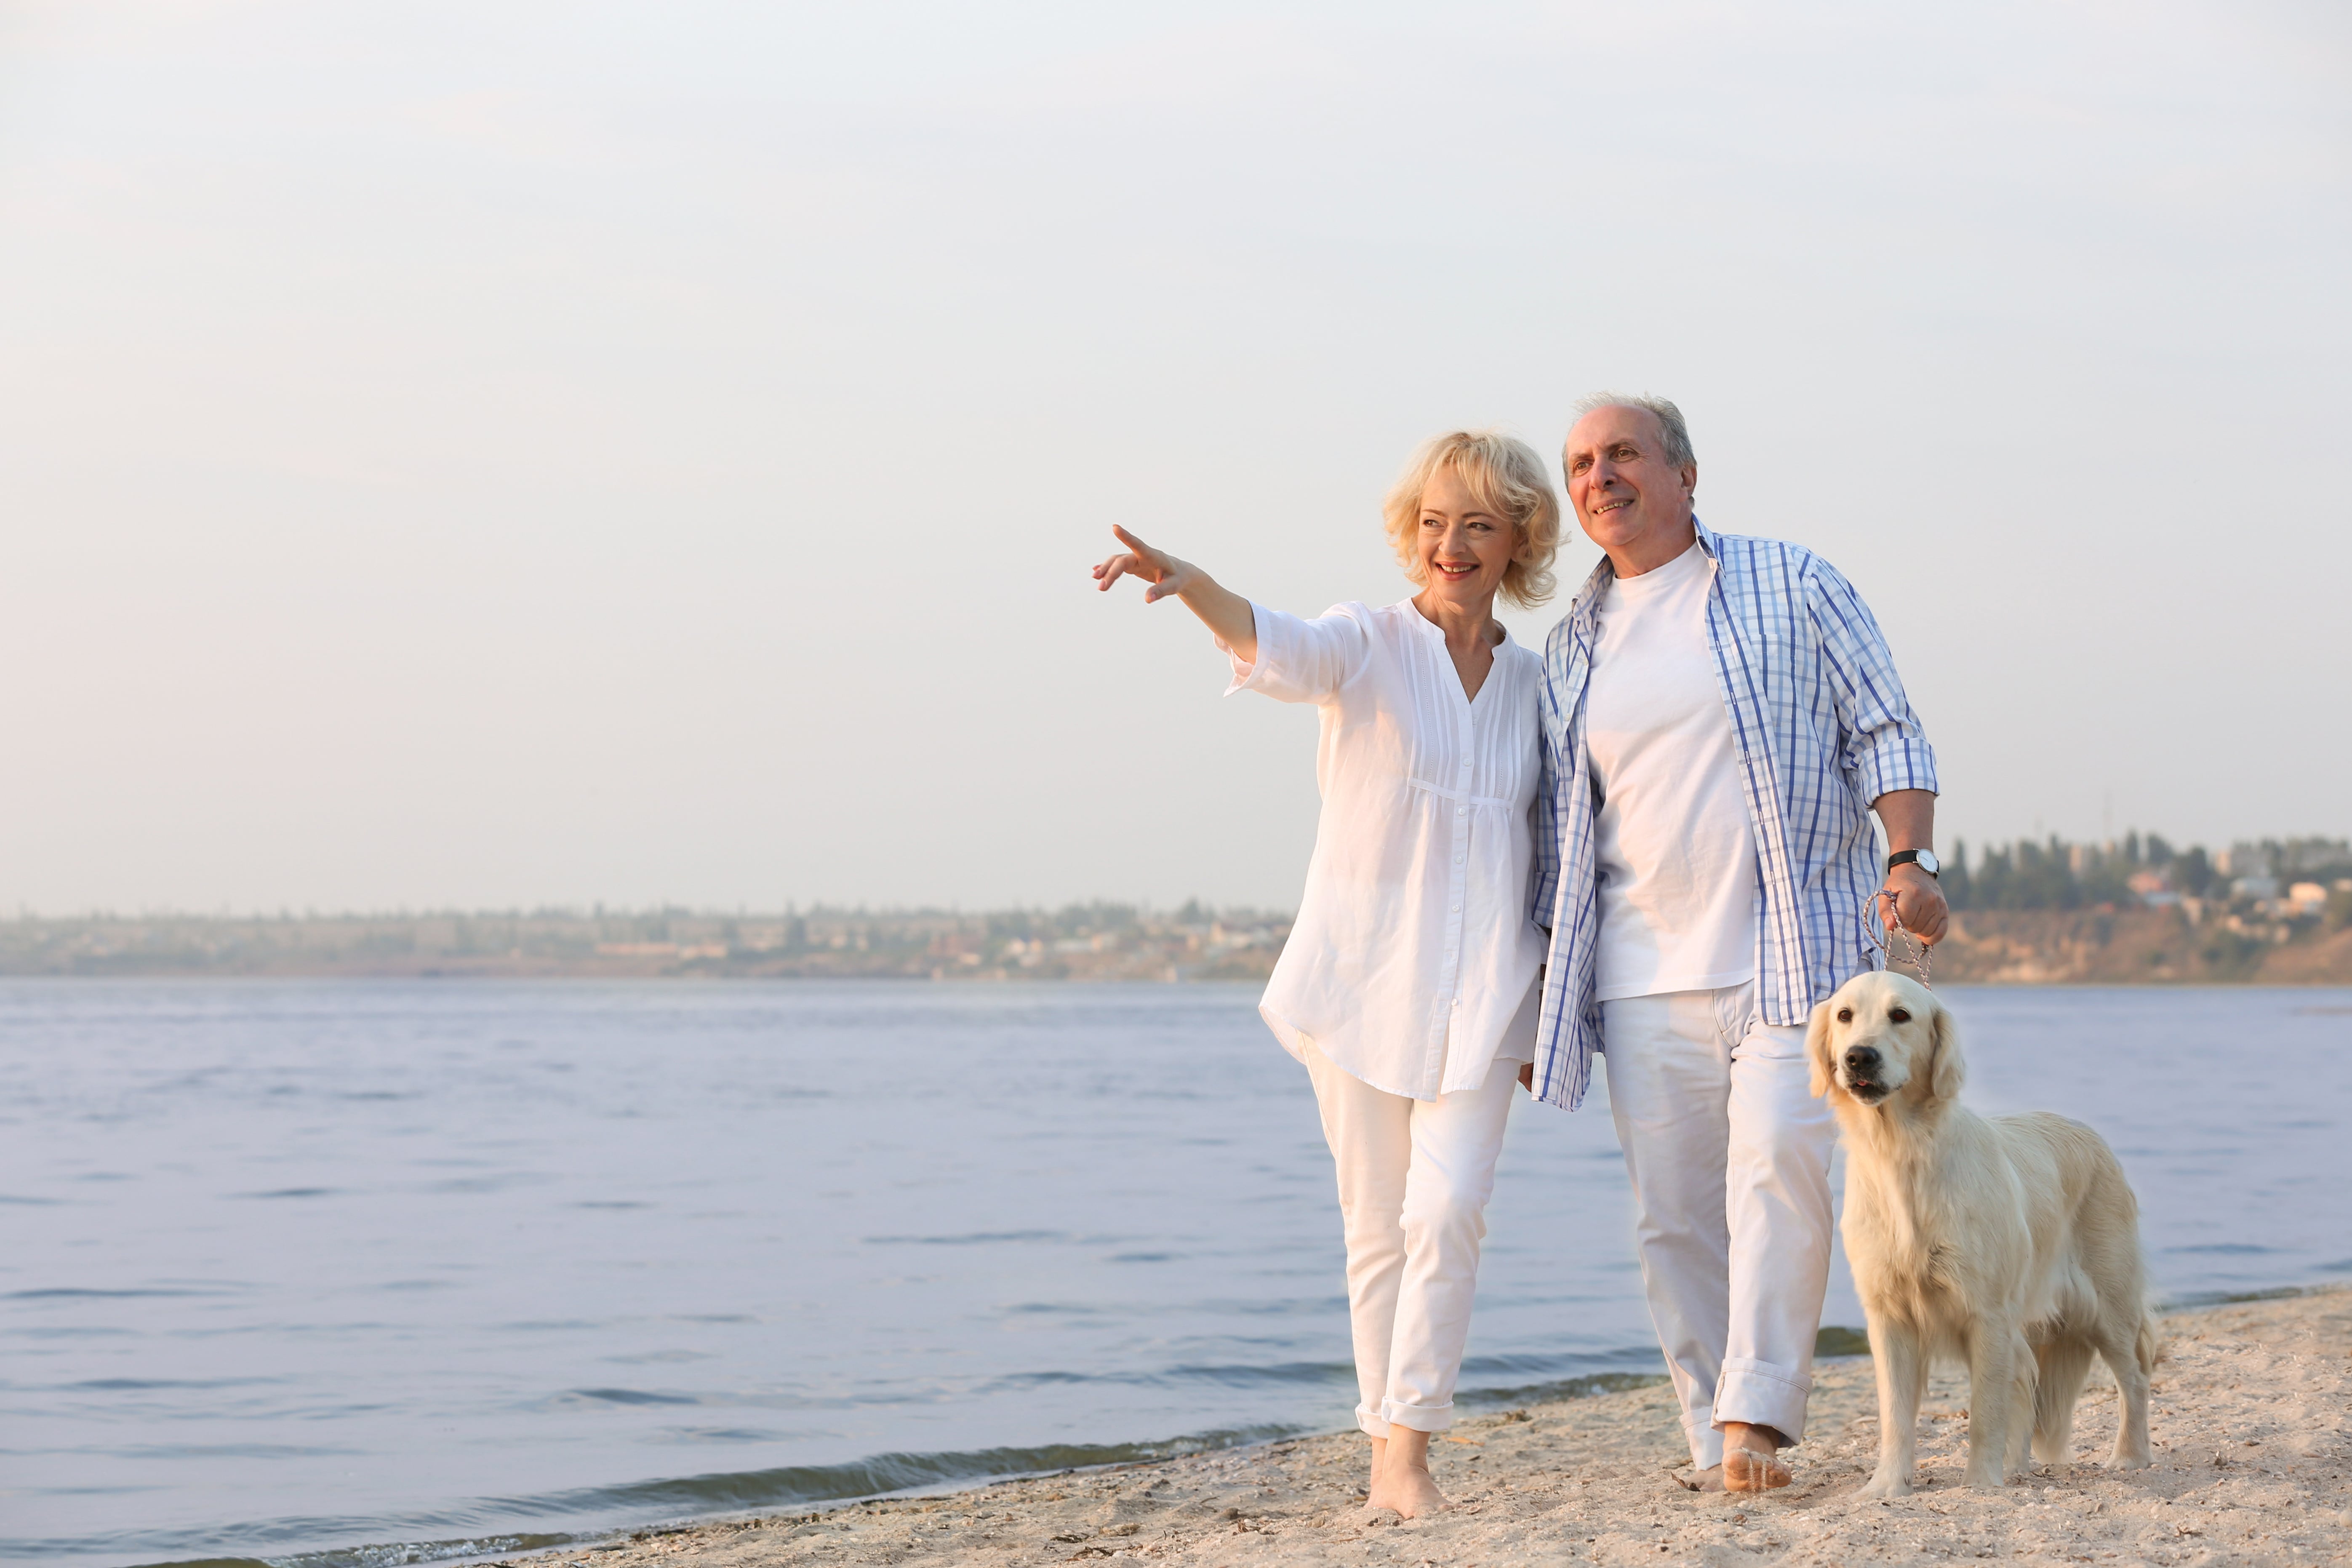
column 1407, row 987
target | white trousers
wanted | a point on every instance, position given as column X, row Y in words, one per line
column 1729, row 1156
column 1414, row 1178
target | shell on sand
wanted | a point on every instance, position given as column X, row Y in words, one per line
column 2252, row 1424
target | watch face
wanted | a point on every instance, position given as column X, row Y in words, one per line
column 1928, row 863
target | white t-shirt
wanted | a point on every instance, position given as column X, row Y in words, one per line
column 1674, row 849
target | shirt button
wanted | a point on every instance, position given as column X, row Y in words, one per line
column 1461, row 811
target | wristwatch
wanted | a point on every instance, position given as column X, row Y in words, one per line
column 1923, row 859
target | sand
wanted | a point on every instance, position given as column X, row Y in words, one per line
column 2253, row 1420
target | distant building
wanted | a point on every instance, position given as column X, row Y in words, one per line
column 2308, row 898
column 2286, row 860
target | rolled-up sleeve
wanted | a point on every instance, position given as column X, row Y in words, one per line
column 1302, row 660
column 1883, row 745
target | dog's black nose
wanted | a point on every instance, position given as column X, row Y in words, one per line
column 1862, row 1058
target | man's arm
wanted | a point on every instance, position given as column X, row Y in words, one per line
column 1909, row 817
column 1886, row 749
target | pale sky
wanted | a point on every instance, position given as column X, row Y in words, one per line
column 489, row 454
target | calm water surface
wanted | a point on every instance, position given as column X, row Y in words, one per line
column 293, row 1270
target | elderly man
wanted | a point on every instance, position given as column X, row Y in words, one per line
column 1718, row 715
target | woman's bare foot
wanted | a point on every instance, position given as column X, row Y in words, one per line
column 1401, row 1479
column 1749, row 1458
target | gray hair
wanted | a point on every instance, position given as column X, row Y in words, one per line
column 1678, row 453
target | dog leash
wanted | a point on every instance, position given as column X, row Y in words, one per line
column 1921, row 955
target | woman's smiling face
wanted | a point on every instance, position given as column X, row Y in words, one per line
column 1465, row 547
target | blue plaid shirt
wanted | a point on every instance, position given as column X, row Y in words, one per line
column 1823, row 729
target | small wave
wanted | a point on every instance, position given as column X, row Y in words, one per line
column 799, row 1486
column 1511, row 1377
column 977, row 1239
column 544, row 1325
column 2188, row 1301
column 2226, row 1249
column 384, row 1556
column 632, row 1397
column 63, row 1293
column 135, row 1385
column 1583, row 1388
column 1240, row 1376
column 476, row 1185
column 227, row 1451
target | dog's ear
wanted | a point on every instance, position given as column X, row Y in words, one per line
column 1817, row 1050
column 1947, row 1070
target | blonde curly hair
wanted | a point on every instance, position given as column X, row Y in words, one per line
column 1510, row 479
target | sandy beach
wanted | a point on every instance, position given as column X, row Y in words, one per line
column 2252, row 1425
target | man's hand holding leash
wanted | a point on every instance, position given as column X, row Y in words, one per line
column 1914, row 896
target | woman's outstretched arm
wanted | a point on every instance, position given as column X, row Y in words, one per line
column 1223, row 611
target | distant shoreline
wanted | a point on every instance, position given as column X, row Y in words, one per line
column 1100, row 942
column 458, row 975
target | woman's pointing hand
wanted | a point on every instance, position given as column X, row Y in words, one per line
column 1164, row 572
column 1223, row 611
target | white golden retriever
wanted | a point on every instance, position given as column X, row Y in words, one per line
column 2011, row 1243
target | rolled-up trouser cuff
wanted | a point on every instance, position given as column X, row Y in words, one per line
column 1705, row 1445
column 1762, row 1395
column 1419, row 1418
column 1370, row 1423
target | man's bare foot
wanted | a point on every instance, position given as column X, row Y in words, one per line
column 1746, row 1470
column 1401, row 1482
column 1750, row 1462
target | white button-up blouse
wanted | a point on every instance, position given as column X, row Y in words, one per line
column 1413, row 962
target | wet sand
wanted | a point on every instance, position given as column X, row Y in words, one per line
column 2253, row 1423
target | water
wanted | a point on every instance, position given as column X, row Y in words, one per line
column 293, row 1270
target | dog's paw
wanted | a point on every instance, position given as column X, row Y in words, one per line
column 2130, row 1461
column 1885, row 1485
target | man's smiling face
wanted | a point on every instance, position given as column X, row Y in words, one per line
column 1627, row 500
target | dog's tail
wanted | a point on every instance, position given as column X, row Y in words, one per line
column 2150, row 1347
